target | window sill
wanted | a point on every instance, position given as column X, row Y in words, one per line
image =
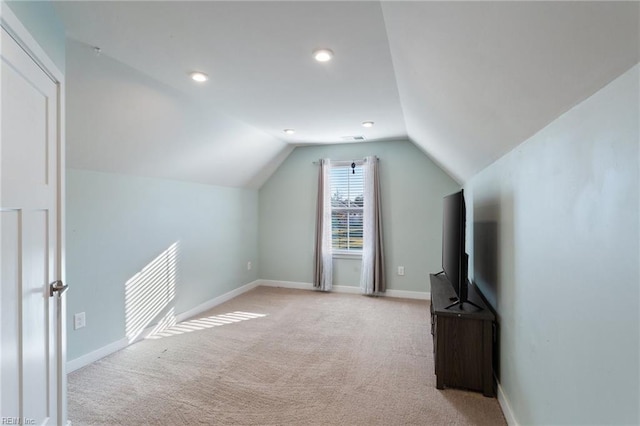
column 346, row 255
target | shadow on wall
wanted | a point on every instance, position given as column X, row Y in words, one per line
column 485, row 259
column 494, row 257
column 150, row 293
column 485, row 268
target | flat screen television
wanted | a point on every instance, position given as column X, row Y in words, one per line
column 454, row 257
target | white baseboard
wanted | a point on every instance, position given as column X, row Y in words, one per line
column 102, row 352
column 506, row 407
column 286, row 284
column 93, row 356
column 216, row 301
column 404, row 294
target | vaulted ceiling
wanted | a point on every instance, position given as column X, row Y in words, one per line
column 465, row 81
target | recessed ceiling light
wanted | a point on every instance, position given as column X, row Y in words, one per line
column 322, row 55
column 200, row 77
column 289, row 131
column 367, row 124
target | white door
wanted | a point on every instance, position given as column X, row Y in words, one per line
column 31, row 351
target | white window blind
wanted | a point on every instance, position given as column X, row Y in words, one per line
column 347, row 200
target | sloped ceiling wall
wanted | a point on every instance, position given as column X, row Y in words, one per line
column 478, row 78
column 465, row 81
column 121, row 121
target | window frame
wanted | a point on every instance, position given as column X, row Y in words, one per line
column 345, row 253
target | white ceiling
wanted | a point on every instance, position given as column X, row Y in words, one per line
column 465, row 81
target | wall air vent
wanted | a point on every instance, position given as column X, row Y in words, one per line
column 356, row 138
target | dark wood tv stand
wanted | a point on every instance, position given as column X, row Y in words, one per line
column 462, row 339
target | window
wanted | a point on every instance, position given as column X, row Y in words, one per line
column 347, row 200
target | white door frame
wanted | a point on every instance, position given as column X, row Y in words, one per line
column 17, row 30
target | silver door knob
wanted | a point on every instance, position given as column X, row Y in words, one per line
column 57, row 287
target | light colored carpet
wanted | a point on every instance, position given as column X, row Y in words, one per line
column 313, row 359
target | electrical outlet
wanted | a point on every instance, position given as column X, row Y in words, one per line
column 400, row 270
column 79, row 320
column 248, row 266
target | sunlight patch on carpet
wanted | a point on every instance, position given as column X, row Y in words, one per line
column 167, row 327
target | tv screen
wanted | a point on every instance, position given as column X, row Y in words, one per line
column 454, row 258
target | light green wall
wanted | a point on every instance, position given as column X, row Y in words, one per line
column 117, row 224
column 553, row 234
column 41, row 20
column 412, row 188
